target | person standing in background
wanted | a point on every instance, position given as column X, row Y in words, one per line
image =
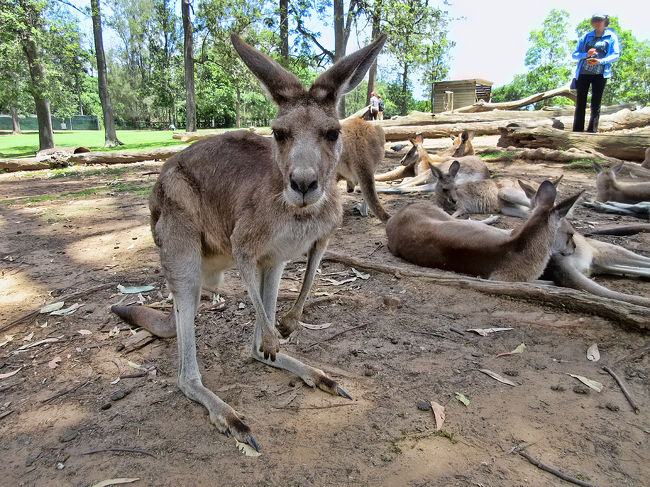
column 596, row 52
column 374, row 106
column 380, row 113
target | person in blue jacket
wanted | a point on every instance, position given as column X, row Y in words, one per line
column 596, row 52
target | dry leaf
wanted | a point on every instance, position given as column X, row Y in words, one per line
column 334, row 282
column 498, row 377
column 40, row 342
column 29, row 337
column 8, row 338
column 594, row 384
column 113, row 382
column 106, row 483
column 84, row 332
column 54, row 363
column 462, row 398
column 51, row 307
column 67, row 311
column 114, row 332
column 593, row 354
column 486, row 331
column 315, row 327
column 360, row 275
column 438, row 413
column 247, row 450
column 519, row 349
column 134, row 289
column 9, row 374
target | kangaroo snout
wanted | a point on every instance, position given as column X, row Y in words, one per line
column 303, row 181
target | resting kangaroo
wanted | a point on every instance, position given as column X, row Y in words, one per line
column 583, row 257
column 363, row 149
column 609, row 189
column 256, row 203
column 505, row 195
column 425, row 235
column 416, row 162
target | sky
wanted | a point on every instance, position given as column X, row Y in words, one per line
column 492, row 39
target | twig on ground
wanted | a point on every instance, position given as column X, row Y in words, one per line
column 309, row 347
column 623, row 387
column 65, row 391
column 69, row 297
column 134, row 376
column 429, row 333
column 6, row 413
column 120, row 450
column 316, row 407
column 456, row 330
column 638, row 353
column 376, row 249
column 555, row 472
column 563, row 298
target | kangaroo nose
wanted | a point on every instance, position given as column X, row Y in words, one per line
column 303, row 182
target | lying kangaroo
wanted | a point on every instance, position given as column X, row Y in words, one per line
column 363, row 149
column 609, row 189
column 505, row 195
column 571, row 265
column 416, row 162
column 425, row 235
column 243, row 199
column 646, row 162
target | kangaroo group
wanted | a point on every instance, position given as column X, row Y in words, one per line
column 255, row 203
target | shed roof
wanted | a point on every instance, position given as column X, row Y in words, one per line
column 475, row 80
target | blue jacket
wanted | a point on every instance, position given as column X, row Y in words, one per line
column 613, row 51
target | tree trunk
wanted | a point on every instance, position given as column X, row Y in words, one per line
column 42, row 102
column 628, row 147
column 110, row 136
column 482, row 106
column 284, row 31
column 15, row 123
column 238, row 109
column 376, row 30
column 340, row 40
column 81, row 105
column 188, row 56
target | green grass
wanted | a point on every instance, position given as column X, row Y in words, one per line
column 583, row 165
column 499, row 154
column 26, row 144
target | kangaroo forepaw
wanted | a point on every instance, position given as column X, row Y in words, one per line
column 287, row 325
column 270, row 346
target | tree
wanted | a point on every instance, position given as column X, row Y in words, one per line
column 374, row 12
column 188, row 57
column 630, row 80
column 284, row 31
column 110, row 136
column 14, row 81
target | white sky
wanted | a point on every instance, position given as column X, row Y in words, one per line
column 492, row 40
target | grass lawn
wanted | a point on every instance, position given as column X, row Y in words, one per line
column 26, row 144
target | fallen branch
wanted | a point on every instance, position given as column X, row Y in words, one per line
column 557, row 297
column 316, row 407
column 482, row 106
column 69, row 297
column 120, row 450
column 309, row 347
column 65, row 391
column 555, row 472
column 623, row 387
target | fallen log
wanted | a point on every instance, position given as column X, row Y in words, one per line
column 566, row 299
column 483, row 106
column 30, row 164
column 629, row 147
column 125, row 156
column 192, row 136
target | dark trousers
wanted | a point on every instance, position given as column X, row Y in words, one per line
column 597, row 83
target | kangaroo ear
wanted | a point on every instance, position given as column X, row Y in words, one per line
column 562, row 208
column 346, row 74
column 436, row 172
column 280, row 83
column 617, row 168
column 528, row 190
column 557, row 181
column 419, row 139
column 545, row 196
column 598, row 167
column 467, row 135
column 454, row 168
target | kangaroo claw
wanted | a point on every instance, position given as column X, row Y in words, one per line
column 341, row 392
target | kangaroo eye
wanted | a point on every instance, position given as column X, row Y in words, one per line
column 332, row 135
column 281, row 135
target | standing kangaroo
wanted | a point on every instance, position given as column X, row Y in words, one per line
column 363, row 149
column 245, row 200
column 416, row 162
column 425, row 235
column 609, row 189
column 505, row 195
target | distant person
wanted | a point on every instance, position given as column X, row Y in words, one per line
column 172, row 126
column 373, row 106
column 596, row 52
column 380, row 113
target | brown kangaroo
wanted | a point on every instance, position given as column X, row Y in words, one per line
column 609, row 189
column 363, row 149
column 425, row 235
column 505, row 195
column 245, row 200
column 416, row 162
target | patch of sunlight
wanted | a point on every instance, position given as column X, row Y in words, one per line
column 110, row 247
column 60, row 417
column 17, row 288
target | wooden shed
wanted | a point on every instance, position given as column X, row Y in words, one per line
column 448, row 95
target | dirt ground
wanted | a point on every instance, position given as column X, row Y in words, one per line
column 67, row 231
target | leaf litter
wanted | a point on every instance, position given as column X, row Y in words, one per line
column 438, row 414
column 593, row 354
column 594, row 384
column 498, row 377
column 462, row 398
column 487, row 331
column 519, row 349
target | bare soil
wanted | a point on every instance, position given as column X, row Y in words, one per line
column 94, row 230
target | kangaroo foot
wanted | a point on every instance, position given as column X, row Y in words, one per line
column 288, row 324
